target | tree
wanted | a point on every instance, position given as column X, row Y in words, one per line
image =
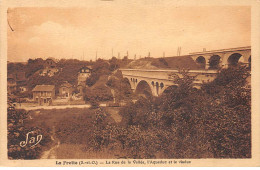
column 230, row 118
column 17, row 132
column 114, row 64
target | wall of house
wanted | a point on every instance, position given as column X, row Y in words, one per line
column 41, row 95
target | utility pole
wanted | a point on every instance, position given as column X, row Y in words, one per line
column 96, row 55
column 163, row 54
column 112, row 52
column 149, row 54
column 179, row 51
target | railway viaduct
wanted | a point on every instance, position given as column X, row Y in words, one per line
column 157, row 81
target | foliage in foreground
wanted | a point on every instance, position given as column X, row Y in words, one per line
column 17, row 132
column 213, row 122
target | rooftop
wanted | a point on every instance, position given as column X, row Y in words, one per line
column 66, row 84
column 44, row 88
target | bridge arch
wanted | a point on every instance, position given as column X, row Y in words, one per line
column 169, row 89
column 201, row 61
column 161, row 85
column 143, row 87
column 234, row 58
column 214, row 62
column 126, row 80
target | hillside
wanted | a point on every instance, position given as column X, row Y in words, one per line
column 178, row 62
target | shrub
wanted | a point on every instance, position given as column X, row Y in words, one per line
column 17, row 132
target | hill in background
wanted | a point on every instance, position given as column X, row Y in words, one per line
column 178, row 62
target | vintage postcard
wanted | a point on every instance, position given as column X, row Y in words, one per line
column 164, row 83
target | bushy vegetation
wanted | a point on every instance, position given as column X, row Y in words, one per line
column 121, row 86
column 17, row 131
column 102, row 67
column 211, row 122
column 214, row 122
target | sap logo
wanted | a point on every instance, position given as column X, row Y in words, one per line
column 31, row 139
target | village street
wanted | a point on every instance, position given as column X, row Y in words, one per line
column 55, row 107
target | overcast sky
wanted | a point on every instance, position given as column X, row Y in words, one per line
column 138, row 29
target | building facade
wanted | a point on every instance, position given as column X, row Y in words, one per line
column 44, row 94
column 65, row 90
column 83, row 74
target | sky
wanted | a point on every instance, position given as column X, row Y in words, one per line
column 101, row 29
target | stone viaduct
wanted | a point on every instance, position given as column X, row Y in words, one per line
column 222, row 58
column 157, row 81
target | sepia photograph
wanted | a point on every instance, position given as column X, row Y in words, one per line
column 136, row 80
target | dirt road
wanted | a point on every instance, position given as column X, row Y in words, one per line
column 53, row 107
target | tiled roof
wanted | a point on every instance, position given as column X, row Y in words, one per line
column 86, row 67
column 44, row 88
column 66, row 84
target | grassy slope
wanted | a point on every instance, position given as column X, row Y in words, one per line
column 72, row 127
column 178, row 62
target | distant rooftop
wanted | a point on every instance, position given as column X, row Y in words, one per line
column 44, row 88
column 65, row 84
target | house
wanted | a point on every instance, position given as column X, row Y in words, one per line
column 21, row 82
column 15, row 81
column 48, row 72
column 23, row 89
column 65, row 90
column 11, row 83
column 83, row 74
column 50, row 67
column 44, row 94
column 50, row 63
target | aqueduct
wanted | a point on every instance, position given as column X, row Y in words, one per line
column 157, row 81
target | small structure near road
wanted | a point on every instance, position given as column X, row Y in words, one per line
column 65, row 90
column 44, row 94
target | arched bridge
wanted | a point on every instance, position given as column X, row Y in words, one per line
column 157, row 81
column 222, row 58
